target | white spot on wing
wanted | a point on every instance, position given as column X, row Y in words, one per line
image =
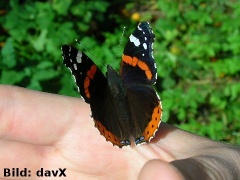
column 139, row 28
column 79, row 57
column 144, row 45
column 134, row 40
column 75, row 66
column 155, row 65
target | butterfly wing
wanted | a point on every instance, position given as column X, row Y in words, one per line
column 90, row 80
column 93, row 87
column 138, row 71
column 138, row 64
column 146, row 112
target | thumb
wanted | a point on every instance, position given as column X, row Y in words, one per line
column 157, row 169
column 190, row 168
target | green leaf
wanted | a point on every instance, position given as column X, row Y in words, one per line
column 61, row 7
column 8, row 54
column 11, row 77
column 41, row 74
column 41, row 40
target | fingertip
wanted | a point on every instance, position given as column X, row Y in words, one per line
column 157, row 169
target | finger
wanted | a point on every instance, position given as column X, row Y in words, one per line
column 205, row 167
column 36, row 117
column 157, row 169
column 182, row 144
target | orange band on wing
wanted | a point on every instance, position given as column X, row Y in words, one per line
column 133, row 61
column 107, row 134
column 153, row 125
column 90, row 75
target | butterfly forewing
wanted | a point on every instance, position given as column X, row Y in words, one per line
column 138, row 64
column 88, row 76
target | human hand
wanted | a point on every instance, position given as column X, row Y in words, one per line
column 41, row 130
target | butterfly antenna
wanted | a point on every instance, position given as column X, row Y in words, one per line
column 89, row 52
column 120, row 42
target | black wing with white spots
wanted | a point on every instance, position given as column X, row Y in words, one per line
column 138, row 65
column 89, row 78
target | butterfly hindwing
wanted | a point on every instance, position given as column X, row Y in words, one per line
column 146, row 110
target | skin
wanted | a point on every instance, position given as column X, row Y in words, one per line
column 41, row 130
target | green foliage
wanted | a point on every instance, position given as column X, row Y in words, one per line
column 197, row 51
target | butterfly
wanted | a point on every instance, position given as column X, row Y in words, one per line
column 124, row 105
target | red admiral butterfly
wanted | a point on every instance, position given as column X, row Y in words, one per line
column 123, row 105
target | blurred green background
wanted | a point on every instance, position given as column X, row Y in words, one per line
column 197, row 50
